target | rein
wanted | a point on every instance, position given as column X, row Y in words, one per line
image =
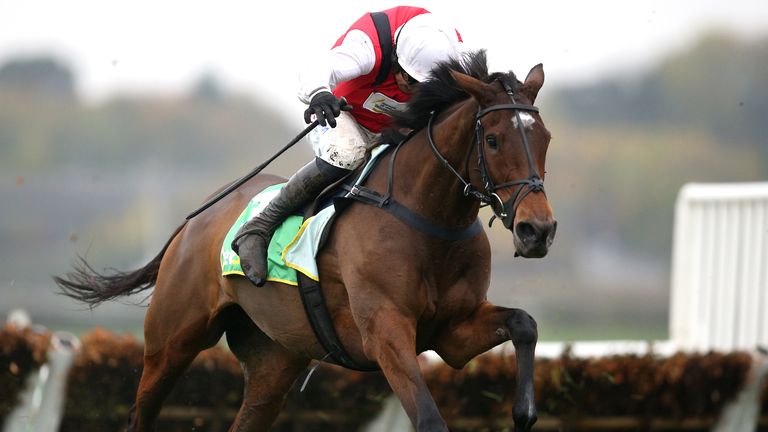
column 533, row 183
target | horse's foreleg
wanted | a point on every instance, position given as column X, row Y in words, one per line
column 487, row 327
column 390, row 339
column 269, row 371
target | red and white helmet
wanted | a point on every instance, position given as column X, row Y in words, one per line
column 424, row 41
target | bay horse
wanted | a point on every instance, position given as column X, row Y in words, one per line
column 393, row 289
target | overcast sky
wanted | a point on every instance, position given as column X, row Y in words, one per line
column 151, row 45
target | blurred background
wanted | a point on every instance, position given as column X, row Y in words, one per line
column 118, row 118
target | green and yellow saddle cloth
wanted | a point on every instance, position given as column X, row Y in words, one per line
column 296, row 241
column 293, row 246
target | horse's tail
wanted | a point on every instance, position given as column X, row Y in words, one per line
column 91, row 287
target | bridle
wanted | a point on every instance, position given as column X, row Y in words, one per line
column 533, row 183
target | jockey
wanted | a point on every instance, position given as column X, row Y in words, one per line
column 374, row 83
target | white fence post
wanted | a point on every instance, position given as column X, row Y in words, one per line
column 720, row 267
column 720, row 282
column 61, row 354
column 743, row 413
column 42, row 401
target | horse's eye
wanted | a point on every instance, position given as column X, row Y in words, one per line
column 491, row 141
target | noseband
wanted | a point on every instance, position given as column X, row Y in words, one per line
column 533, row 183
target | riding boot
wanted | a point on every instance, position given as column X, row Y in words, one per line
column 253, row 238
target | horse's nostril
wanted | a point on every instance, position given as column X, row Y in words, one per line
column 525, row 231
column 553, row 231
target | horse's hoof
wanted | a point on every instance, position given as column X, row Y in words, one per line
column 524, row 418
column 525, row 424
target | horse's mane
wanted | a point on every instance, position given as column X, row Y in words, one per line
column 441, row 91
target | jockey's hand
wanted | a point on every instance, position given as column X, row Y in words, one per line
column 326, row 107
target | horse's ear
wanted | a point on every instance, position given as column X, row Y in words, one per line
column 479, row 90
column 534, row 81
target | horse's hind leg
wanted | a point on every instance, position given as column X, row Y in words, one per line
column 269, row 371
column 174, row 333
column 487, row 327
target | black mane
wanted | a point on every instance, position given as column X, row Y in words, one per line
column 441, row 91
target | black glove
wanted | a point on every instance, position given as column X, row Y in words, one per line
column 326, row 107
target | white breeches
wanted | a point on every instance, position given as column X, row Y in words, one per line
column 345, row 145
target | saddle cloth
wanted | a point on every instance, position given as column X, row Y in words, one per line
column 296, row 241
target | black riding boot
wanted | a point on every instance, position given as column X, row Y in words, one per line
column 253, row 238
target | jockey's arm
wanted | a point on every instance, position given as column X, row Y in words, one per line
column 354, row 57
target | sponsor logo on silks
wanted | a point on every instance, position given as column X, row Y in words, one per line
column 382, row 104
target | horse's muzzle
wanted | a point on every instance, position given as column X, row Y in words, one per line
column 534, row 237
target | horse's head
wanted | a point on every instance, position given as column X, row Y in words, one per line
column 512, row 146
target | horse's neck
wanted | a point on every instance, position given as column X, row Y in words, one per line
column 425, row 185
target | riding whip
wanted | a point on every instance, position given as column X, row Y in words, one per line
column 255, row 171
column 238, row 183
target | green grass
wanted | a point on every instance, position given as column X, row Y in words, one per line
column 596, row 330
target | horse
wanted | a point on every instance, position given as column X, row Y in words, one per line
column 393, row 289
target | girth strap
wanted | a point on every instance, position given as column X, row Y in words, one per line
column 322, row 324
